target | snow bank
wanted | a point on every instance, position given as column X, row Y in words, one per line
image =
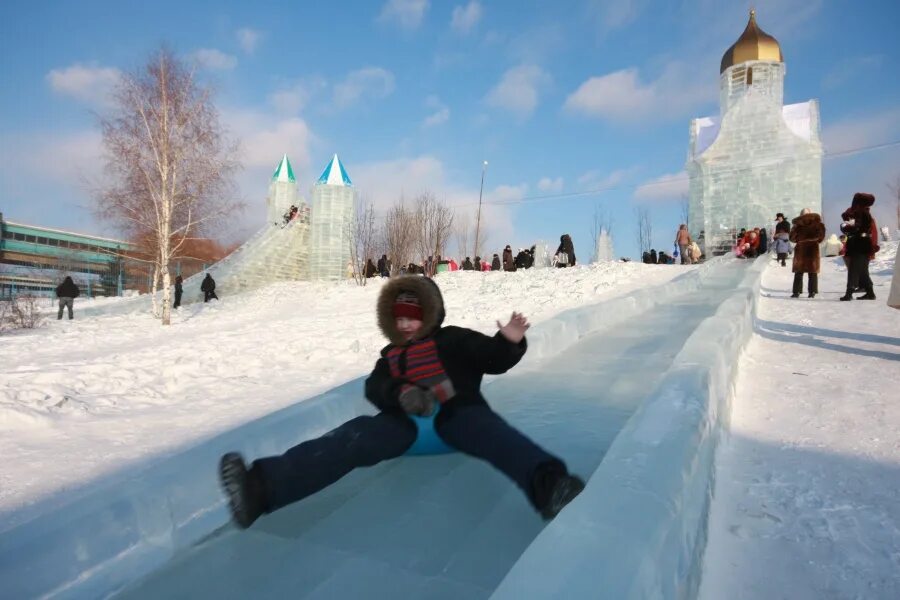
column 639, row 528
column 127, row 526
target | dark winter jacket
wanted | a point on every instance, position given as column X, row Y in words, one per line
column 653, row 257
column 467, row 265
column 495, row 264
column 763, row 241
column 523, row 260
column 466, row 355
column 67, row 289
column 862, row 235
column 807, row 233
column 566, row 245
column 209, row 284
column 782, row 226
column 179, row 288
column 370, row 270
column 382, row 264
column 508, row 263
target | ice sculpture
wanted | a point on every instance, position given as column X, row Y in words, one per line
column 542, row 258
column 277, row 252
column 333, row 202
column 604, row 252
column 758, row 157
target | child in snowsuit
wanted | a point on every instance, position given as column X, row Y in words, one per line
column 426, row 370
column 782, row 245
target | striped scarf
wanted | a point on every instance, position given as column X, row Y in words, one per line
column 419, row 364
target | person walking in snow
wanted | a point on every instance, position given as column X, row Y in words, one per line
column 426, row 369
column 208, row 287
column 781, row 224
column 683, row 240
column 67, row 291
column 807, row 233
column 467, row 264
column 565, row 253
column 179, row 289
column 862, row 236
column 382, row 266
column 782, row 245
column 508, row 261
column 495, row 263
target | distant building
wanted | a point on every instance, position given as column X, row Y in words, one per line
column 758, row 157
column 333, row 205
column 34, row 260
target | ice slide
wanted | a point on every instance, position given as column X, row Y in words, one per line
column 425, row 527
column 274, row 253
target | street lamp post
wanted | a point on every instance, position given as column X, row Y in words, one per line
column 478, row 218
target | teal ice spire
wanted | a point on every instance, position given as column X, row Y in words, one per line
column 335, row 174
column 284, row 172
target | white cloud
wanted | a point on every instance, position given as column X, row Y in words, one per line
column 518, row 89
column 546, row 184
column 407, row 14
column 617, row 14
column 248, row 39
column 371, row 82
column 440, row 115
column 466, row 17
column 264, row 140
column 214, row 59
column 292, row 99
column 856, row 132
column 621, row 95
column 90, row 84
column 595, row 179
column 665, row 187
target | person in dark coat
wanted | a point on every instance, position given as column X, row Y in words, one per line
column 807, row 233
column 653, row 256
column 862, row 234
column 370, row 269
column 382, row 266
column 495, row 264
column 477, row 264
column 645, row 257
column 781, row 224
column 763, row 241
column 67, row 291
column 565, row 251
column 467, row 264
column 426, row 369
column 208, row 287
column 178, row 291
column 508, row 262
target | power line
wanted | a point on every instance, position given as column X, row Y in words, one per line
column 652, row 184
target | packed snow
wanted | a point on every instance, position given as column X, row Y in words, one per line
column 112, row 389
column 806, row 500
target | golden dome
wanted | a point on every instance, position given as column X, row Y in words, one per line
column 754, row 44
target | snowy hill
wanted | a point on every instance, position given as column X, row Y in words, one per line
column 113, row 388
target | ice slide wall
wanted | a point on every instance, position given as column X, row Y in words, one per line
column 638, row 530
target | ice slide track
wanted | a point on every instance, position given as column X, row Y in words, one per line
column 447, row 526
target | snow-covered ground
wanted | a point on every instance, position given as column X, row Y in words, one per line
column 808, row 479
column 80, row 399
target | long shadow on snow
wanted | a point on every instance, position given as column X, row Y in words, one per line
column 811, row 336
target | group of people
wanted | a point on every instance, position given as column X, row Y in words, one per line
column 509, row 262
column 685, row 248
column 803, row 235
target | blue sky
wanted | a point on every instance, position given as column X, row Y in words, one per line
column 415, row 94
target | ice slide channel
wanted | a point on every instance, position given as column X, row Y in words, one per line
column 274, row 253
column 446, row 526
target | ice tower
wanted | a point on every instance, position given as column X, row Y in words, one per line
column 331, row 214
column 758, row 156
column 282, row 192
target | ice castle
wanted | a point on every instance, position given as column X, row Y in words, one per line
column 312, row 244
column 758, row 157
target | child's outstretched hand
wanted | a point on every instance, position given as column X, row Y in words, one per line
column 515, row 330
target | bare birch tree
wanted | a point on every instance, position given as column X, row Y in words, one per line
column 644, row 228
column 399, row 235
column 363, row 240
column 168, row 162
column 433, row 225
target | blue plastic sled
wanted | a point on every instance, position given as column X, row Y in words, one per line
column 428, row 441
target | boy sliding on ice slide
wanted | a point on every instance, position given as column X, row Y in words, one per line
column 426, row 369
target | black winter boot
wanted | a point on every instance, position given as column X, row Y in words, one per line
column 869, row 295
column 846, row 297
column 246, row 497
column 565, row 490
